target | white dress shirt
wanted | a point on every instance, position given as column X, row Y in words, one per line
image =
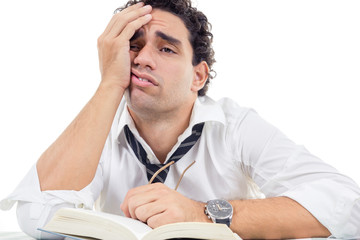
column 238, row 156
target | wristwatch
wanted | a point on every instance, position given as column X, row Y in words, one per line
column 219, row 211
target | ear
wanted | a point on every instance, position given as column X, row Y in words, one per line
column 201, row 74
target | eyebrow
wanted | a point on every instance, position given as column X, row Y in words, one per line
column 168, row 38
column 159, row 34
column 136, row 35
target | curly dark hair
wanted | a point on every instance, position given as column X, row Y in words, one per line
column 198, row 26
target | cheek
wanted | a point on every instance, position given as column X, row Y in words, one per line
column 180, row 78
column 179, row 71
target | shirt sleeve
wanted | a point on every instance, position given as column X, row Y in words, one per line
column 36, row 207
column 281, row 168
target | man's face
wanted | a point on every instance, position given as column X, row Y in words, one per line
column 162, row 73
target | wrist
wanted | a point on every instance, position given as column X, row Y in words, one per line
column 111, row 89
column 201, row 216
column 219, row 211
column 121, row 82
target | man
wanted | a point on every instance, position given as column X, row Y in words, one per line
column 158, row 56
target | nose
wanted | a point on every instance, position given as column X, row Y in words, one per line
column 145, row 58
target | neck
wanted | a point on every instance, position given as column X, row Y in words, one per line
column 161, row 133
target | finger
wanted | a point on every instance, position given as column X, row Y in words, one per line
column 144, row 212
column 128, row 198
column 122, row 21
column 132, row 27
column 158, row 220
column 138, row 201
column 146, row 189
column 148, row 199
column 130, row 8
column 117, row 15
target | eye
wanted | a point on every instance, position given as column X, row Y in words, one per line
column 134, row 48
column 167, row 50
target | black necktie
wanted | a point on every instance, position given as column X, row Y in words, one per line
column 184, row 147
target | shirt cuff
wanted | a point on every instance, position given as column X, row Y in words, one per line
column 29, row 191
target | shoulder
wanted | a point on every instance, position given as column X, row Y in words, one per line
column 233, row 112
column 243, row 121
column 226, row 116
column 225, row 111
column 243, row 125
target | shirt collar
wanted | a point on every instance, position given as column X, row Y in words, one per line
column 126, row 119
column 205, row 110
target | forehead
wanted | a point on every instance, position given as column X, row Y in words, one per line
column 167, row 23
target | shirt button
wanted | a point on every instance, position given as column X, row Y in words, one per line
column 80, row 205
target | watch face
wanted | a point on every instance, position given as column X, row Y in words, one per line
column 219, row 208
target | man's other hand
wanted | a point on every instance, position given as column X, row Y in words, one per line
column 157, row 205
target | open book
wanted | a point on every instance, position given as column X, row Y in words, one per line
column 87, row 224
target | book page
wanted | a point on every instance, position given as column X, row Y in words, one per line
column 137, row 227
column 196, row 230
column 96, row 224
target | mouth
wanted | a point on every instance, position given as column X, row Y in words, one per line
column 143, row 80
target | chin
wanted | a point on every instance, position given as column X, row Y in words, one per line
column 139, row 103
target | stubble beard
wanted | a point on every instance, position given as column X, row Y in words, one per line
column 146, row 110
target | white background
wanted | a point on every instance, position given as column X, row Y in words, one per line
column 296, row 62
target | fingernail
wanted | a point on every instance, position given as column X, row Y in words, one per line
column 147, row 7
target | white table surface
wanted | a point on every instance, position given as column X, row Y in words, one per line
column 14, row 236
column 23, row 236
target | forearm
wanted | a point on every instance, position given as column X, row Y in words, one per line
column 70, row 162
column 274, row 218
